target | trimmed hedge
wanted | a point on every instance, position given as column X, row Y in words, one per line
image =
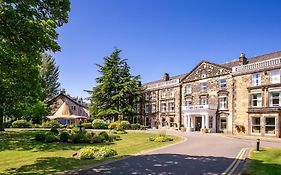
column 87, row 125
column 21, row 124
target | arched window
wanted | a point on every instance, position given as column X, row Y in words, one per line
column 203, row 74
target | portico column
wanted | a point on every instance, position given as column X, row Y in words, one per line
column 207, row 121
column 203, row 121
column 185, row 120
column 188, row 122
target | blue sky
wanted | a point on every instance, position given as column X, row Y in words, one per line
column 158, row 36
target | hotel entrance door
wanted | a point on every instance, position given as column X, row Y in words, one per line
column 198, row 123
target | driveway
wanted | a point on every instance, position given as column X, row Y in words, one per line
column 199, row 154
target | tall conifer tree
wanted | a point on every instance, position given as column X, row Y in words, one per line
column 114, row 96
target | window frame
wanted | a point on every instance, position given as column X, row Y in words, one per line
column 256, row 125
column 162, row 107
column 271, row 99
column 258, row 100
column 256, row 80
column 172, row 92
column 164, row 91
column 203, row 99
column 272, row 78
column 225, row 102
column 220, row 84
column 188, row 89
column 204, row 86
column 268, row 125
column 172, row 109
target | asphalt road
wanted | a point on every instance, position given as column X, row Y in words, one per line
column 199, row 154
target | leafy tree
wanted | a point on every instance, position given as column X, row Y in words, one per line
column 50, row 75
column 27, row 29
column 114, row 97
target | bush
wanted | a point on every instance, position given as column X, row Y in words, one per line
column 114, row 125
column 124, row 125
column 64, row 136
column 142, row 127
column 103, row 136
column 87, row 125
column 40, row 136
column 37, row 126
column 50, row 138
column 99, row 124
column 135, row 126
column 53, row 124
column 88, row 152
column 96, row 152
column 161, row 139
column 21, row 124
column 79, row 138
column 77, row 130
column 54, row 131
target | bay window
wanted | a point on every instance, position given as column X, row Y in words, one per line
column 256, row 125
column 270, row 125
column 171, row 106
column 222, row 102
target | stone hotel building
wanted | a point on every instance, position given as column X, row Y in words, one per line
column 239, row 97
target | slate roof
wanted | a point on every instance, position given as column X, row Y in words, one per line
column 171, row 78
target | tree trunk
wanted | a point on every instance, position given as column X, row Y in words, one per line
column 1, row 118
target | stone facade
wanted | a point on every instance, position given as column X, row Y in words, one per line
column 240, row 97
column 207, row 96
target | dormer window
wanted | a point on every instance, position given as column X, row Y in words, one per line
column 203, row 74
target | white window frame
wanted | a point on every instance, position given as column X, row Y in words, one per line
column 153, row 107
column 223, row 103
column 271, row 98
column 222, row 83
column 256, row 79
column 267, row 125
column 153, row 95
column 253, row 125
column 147, row 96
column 188, row 89
column 172, row 92
column 163, row 93
column 171, row 107
column 204, row 86
column 188, row 100
column 258, row 99
column 274, row 76
column 163, row 106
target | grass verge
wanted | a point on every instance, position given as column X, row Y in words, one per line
column 264, row 162
column 20, row 154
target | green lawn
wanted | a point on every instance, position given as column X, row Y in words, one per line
column 265, row 162
column 19, row 154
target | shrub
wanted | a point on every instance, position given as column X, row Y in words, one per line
column 52, row 124
column 77, row 130
column 114, row 125
column 124, row 125
column 135, row 126
column 161, row 139
column 64, row 136
column 96, row 152
column 54, row 130
column 87, row 125
column 37, row 126
column 40, row 136
column 21, row 124
column 99, row 124
column 88, row 152
column 103, row 136
column 79, row 138
column 142, row 127
column 50, row 138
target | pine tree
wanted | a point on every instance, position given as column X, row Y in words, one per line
column 114, row 96
column 50, row 76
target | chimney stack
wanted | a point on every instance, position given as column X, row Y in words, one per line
column 242, row 59
column 166, row 77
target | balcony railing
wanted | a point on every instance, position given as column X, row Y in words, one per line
column 256, row 66
column 199, row 107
